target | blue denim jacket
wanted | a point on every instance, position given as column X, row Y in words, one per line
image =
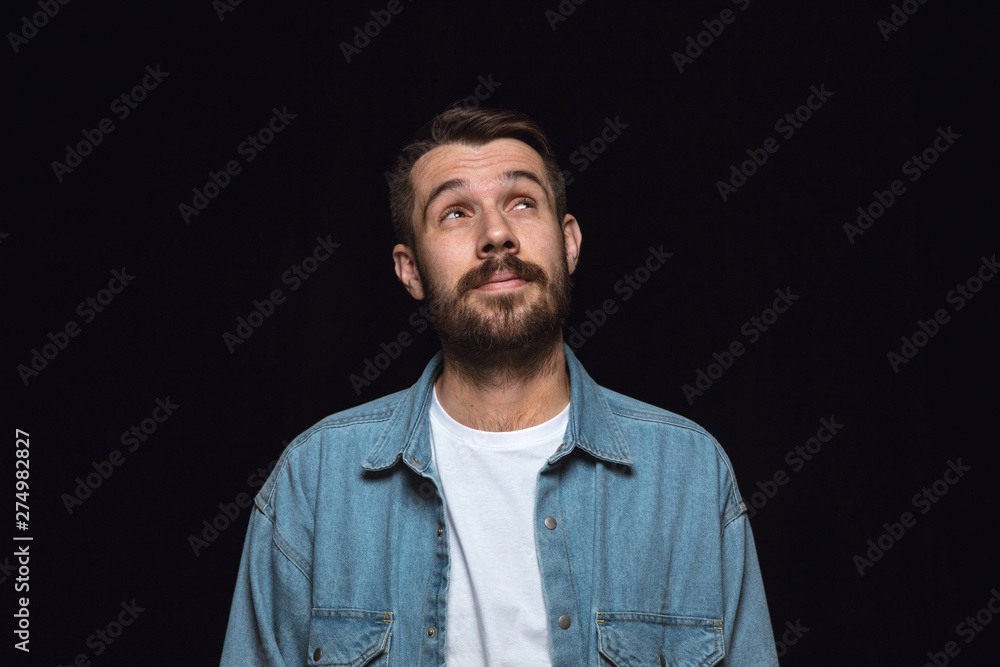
column 650, row 559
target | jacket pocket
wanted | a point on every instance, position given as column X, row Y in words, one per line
column 349, row 637
column 631, row 639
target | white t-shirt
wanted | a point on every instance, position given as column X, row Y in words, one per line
column 496, row 608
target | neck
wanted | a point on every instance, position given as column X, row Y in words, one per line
column 505, row 391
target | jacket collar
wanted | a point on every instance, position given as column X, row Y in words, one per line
column 591, row 426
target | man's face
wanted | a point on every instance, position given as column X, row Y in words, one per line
column 494, row 262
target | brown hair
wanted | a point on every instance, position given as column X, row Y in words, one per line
column 473, row 126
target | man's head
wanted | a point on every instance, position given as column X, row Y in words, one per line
column 486, row 241
column 472, row 126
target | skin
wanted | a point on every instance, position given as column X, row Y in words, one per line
column 456, row 231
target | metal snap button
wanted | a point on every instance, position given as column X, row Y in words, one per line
column 317, row 654
column 564, row 621
column 431, row 631
column 550, row 523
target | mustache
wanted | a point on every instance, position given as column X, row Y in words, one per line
column 495, row 264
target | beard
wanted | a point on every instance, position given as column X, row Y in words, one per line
column 509, row 335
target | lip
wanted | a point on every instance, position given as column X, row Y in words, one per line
column 502, row 281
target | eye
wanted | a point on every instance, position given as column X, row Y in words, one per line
column 452, row 213
column 525, row 202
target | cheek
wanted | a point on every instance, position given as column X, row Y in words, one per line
column 441, row 267
column 551, row 250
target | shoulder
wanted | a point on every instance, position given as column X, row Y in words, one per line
column 627, row 408
column 359, row 419
column 675, row 446
column 377, row 411
column 632, row 413
column 340, row 438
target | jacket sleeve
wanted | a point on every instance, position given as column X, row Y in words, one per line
column 749, row 639
column 272, row 605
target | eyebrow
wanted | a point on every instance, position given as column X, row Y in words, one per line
column 505, row 178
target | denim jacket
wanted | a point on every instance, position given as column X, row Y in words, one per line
column 645, row 550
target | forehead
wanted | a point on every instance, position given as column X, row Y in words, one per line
column 476, row 164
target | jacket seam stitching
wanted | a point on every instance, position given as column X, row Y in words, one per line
column 288, row 551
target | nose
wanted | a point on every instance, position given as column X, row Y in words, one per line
column 497, row 233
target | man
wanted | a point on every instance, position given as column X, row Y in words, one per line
column 505, row 510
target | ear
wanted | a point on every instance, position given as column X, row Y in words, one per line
column 406, row 270
column 572, row 239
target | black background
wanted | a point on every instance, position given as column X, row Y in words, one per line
column 655, row 185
